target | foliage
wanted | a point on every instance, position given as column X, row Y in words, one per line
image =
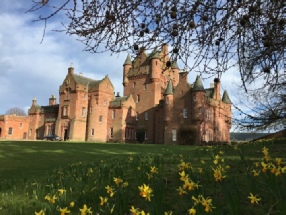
column 187, row 135
column 17, row 111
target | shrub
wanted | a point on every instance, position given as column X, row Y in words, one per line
column 187, row 135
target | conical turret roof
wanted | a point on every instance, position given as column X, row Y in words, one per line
column 198, row 85
column 225, row 98
column 169, row 89
column 128, row 60
column 175, row 65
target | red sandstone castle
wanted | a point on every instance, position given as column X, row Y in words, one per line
column 158, row 104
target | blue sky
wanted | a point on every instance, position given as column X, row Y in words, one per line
column 31, row 69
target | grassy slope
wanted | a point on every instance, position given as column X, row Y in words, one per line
column 25, row 159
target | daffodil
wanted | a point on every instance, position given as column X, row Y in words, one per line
column 253, row 199
column 71, row 204
column 255, row 172
column 103, row 200
column 61, row 191
column 207, row 203
column 64, row 211
column 85, row 210
column 154, row 170
column 278, row 161
column 200, row 170
column 168, row 213
column 192, row 211
column 145, row 191
column 110, row 190
column 134, row 211
column 181, row 191
column 117, row 181
column 41, row 212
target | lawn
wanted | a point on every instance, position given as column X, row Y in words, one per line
column 40, row 177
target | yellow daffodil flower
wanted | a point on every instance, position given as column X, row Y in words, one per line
column 192, row 211
column 168, row 213
column 181, row 191
column 85, row 210
column 41, row 212
column 200, row 170
column 207, row 203
column 253, row 199
column 149, row 175
column 117, row 181
column 103, row 200
column 110, row 190
column 134, row 211
column 153, row 170
column 71, row 204
column 61, row 191
column 278, row 161
column 64, row 211
column 145, row 191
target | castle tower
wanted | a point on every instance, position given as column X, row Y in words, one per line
column 156, row 66
column 168, row 101
column 175, row 75
column 126, row 68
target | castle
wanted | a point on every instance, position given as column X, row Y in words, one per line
column 158, row 106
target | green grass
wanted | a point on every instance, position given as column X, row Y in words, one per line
column 29, row 171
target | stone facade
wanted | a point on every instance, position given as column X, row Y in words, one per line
column 157, row 100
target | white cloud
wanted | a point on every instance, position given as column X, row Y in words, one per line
column 30, row 69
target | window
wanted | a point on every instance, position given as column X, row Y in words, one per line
column 185, row 112
column 104, row 103
column 194, row 97
column 167, row 100
column 200, row 110
column 84, row 96
column 65, row 110
column 10, row 131
column 100, row 119
column 30, row 132
column 145, row 86
column 174, row 134
column 21, row 125
column 90, row 109
column 136, row 116
column 207, row 114
column 138, row 98
column 146, row 115
column 111, row 133
column 113, row 114
column 146, row 135
column 92, row 132
column 67, row 93
column 134, row 84
column 83, row 112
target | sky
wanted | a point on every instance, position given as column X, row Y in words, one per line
column 29, row 68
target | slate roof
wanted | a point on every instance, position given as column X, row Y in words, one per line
column 209, row 92
column 128, row 60
column 48, row 109
column 118, row 101
column 225, row 98
column 79, row 79
column 198, row 85
column 169, row 89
